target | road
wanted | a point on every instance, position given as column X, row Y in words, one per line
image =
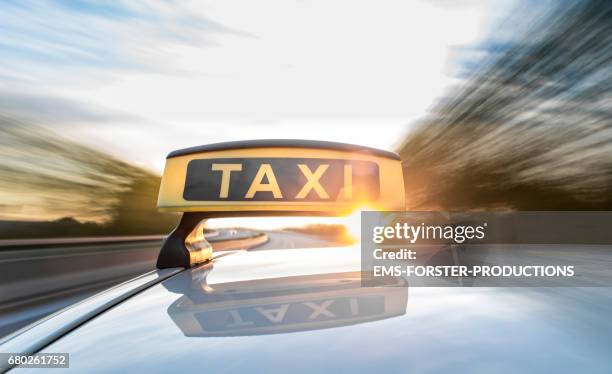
column 35, row 282
column 288, row 239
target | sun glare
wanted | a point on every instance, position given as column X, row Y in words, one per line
column 352, row 222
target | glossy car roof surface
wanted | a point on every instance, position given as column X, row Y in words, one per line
column 303, row 310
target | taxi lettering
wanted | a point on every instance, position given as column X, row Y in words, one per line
column 343, row 308
column 266, row 171
column 280, row 179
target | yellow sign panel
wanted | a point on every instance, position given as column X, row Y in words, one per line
column 281, row 176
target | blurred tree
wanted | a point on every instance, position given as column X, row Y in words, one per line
column 52, row 186
column 531, row 127
column 135, row 212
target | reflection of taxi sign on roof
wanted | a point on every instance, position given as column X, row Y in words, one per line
column 288, row 304
column 280, row 177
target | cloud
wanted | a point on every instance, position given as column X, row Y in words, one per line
column 38, row 108
column 191, row 74
column 83, row 34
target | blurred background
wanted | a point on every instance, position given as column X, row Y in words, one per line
column 491, row 104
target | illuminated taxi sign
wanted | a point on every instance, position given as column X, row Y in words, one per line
column 281, row 175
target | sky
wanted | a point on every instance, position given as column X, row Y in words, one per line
column 140, row 79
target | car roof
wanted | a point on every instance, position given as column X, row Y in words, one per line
column 304, row 310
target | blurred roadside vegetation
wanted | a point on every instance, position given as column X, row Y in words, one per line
column 53, row 187
column 530, row 127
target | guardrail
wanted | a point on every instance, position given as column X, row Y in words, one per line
column 53, row 242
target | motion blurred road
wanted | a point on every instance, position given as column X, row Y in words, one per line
column 35, row 282
column 287, row 240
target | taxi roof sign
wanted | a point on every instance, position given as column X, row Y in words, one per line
column 271, row 177
column 308, row 177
